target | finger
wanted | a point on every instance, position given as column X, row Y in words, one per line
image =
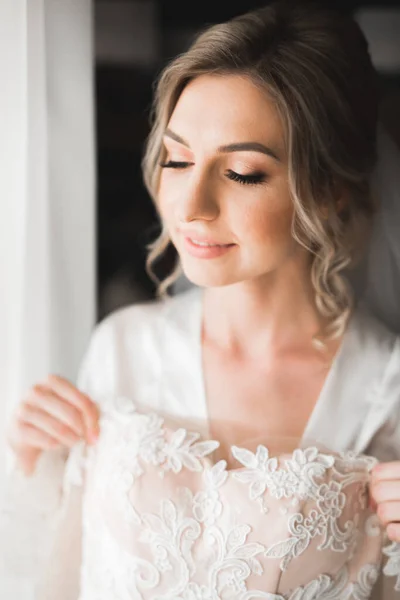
column 393, row 531
column 385, row 491
column 386, row 470
column 43, row 422
column 30, row 436
column 51, row 403
column 63, row 388
column 389, row 512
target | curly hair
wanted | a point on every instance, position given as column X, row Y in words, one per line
column 314, row 64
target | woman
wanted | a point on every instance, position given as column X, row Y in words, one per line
column 259, row 161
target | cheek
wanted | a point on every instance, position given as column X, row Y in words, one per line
column 264, row 224
column 171, row 189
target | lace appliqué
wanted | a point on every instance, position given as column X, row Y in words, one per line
column 188, row 540
column 298, row 480
column 149, row 445
column 392, row 567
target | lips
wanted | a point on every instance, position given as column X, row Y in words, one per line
column 203, row 240
column 208, row 244
column 208, row 249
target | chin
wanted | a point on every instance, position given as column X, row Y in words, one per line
column 206, row 277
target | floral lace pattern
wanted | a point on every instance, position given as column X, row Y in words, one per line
column 392, row 566
column 162, row 522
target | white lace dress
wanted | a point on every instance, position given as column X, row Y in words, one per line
column 148, row 514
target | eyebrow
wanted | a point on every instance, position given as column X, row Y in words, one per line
column 235, row 147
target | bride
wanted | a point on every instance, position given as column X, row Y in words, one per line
column 259, row 161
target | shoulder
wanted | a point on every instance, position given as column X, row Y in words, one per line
column 145, row 318
column 373, row 338
column 375, row 343
column 379, row 373
column 133, row 334
column 376, row 353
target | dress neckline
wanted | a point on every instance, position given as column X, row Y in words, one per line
column 311, row 433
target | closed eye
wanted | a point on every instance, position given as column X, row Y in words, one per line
column 252, row 179
column 172, row 164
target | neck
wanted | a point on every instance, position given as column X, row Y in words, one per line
column 252, row 317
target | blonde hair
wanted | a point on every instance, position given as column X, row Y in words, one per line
column 315, row 66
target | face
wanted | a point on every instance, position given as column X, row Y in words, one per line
column 223, row 192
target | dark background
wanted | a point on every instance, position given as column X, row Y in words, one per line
column 127, row 221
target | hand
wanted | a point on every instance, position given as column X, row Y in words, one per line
column 385, row 492
column 53, row 414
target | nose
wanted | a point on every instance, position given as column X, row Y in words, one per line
column 198, row 200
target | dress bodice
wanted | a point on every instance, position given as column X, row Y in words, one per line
column 162, row 521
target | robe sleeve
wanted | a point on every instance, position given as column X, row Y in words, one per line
column 40, row 514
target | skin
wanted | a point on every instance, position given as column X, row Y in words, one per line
column 385, row 495
column 258, row 302
column 53, row 414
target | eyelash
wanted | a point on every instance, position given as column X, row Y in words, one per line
column 253, row 179
column 171, row 164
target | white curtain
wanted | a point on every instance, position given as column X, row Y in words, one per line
column 47, row 193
